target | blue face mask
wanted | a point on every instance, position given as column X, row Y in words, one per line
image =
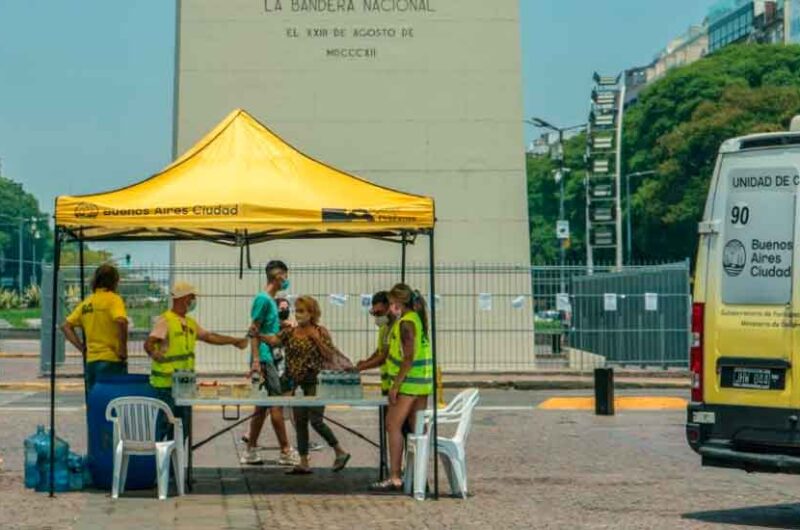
column 285, row 285
column 192, row 305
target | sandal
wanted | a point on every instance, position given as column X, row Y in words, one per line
column 297, row 470
column 340, row 462
column 387, row 487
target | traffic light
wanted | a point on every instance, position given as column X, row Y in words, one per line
column 606, row 80
column 602, row 213
column 600, row 165
column 603, row 236
column 602, row 120
column 601, row 188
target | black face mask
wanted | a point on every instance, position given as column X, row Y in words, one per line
column 284, row 314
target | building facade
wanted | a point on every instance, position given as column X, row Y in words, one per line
column 685, row 49
column 791, row 21
column 769, row 24
column 760, row 21
column 424, row 96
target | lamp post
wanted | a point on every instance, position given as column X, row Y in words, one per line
column 628, row 209
column 36, row 235
column 19, row 262
column 542, row 124
column 19, row 223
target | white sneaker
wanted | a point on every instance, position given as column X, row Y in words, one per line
column 292, row 458
column 315, row 446
column 251, row 458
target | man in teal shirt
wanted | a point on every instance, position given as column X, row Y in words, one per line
column 265, row 321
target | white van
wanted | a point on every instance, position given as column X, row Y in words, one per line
column 744, row 359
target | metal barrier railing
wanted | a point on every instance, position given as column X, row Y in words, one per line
column 490, row 318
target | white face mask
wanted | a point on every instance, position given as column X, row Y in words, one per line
column 381, row 321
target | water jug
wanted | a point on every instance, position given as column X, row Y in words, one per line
column 61, row 465
column 32, row 451
column 77, row 472
column 61, row 477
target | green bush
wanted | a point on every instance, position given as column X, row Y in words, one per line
column 32, row 297
column 10, row 300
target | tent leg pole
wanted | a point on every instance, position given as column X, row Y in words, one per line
column 435, row 430
column 53, row 317
column 403, row 261
column 83, row 332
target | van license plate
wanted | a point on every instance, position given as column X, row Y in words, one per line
column 755, row 378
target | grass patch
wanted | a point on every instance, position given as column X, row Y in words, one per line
column 547, row 326
column 141, row 316
column 17, row 317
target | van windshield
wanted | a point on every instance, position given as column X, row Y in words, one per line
column 758, row 228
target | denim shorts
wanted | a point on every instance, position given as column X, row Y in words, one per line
column 272, row 382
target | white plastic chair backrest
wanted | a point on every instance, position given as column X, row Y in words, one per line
column 136, row 417
column 463, row 410
column 457, row 403
column 424, row 418
column 459, row 411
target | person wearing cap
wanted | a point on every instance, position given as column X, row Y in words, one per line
column 104, row 322
column 171, row 344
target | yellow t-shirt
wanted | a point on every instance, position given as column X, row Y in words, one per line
column 96, row 315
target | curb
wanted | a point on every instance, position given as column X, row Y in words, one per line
column 35, row 386
column 563, row 385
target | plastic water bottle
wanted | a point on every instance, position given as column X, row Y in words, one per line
column 75, row 465
column 61, row 471
column 336, row 385
column 87, row 473
column 32, row 450
column 62, row 477
column 324, row 380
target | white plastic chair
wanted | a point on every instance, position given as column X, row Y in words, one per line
column 451, row 450
column 135, row 421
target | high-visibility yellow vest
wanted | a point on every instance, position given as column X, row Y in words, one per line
column 180, row 351
column 384, row 332
column 419, row 380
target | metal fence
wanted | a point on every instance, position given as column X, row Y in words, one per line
column 632, row 317
column 490, row 318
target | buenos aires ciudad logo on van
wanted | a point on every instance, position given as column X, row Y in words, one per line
column 734, row 257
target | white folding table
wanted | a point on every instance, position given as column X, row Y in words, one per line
column 370, row 399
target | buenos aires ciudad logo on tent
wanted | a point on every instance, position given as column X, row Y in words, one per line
column 86, row 210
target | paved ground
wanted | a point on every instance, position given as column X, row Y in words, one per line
column 529, row 468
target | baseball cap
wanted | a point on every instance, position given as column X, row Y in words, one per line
column 181, row 289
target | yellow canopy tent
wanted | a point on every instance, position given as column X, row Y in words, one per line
column 242, row 184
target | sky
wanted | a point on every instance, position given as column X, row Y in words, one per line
column 86, row 87
column 565, row 41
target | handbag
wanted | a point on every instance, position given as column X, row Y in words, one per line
column 338, row 361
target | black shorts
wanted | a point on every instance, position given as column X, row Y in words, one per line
column 271, row 380
column 287, row 384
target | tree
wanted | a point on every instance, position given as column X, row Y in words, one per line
column 543, row 198
column 93, row 258
column 19, row 208
column 678, row 124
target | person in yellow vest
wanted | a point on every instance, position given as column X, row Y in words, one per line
column 384, row 319
column 410, row 371
column 104, row 322
column 171, row 345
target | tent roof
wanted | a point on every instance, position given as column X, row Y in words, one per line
column 242, row 184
